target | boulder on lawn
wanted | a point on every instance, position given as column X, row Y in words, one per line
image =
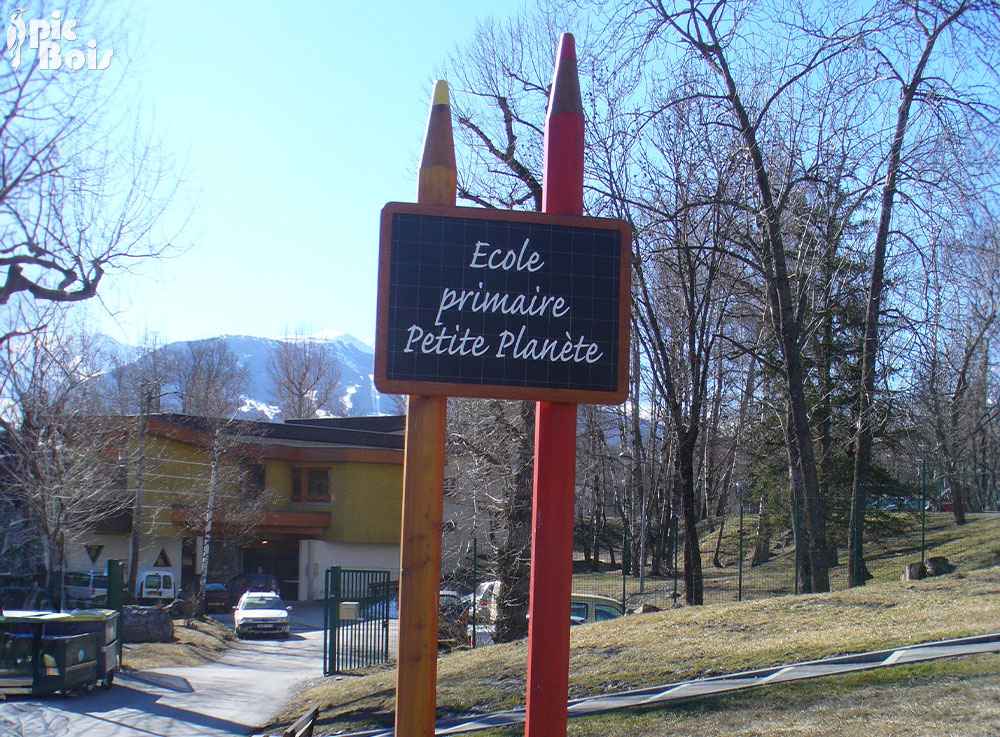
column 938, row 566
column 914, row 571
column 146, row 624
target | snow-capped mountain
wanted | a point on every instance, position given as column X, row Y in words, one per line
column 355, row 358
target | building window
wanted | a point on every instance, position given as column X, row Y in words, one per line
column 254, row 480
column 310, row 484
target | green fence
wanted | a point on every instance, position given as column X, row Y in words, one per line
column 356, row 611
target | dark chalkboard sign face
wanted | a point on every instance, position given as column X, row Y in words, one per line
column 502, row 304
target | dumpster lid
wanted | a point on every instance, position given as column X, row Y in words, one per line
column 78, row 615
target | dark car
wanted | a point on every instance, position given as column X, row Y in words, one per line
column 243, row 582
column 216, row 597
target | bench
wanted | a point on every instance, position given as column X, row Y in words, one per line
column 303, row 726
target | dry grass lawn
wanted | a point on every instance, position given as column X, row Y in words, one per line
column 204, row 641
column 661, row 647
column 958, row 698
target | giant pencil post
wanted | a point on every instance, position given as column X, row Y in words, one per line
column 555, row 440
column 423, row 481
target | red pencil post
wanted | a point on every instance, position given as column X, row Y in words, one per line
column 555, row 440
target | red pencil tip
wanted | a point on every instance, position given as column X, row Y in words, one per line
column 565, row 95
column 567, row 47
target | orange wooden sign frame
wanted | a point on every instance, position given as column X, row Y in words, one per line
column 459, row 388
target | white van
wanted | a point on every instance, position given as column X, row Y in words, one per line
column 155, row 585
column 85, row 588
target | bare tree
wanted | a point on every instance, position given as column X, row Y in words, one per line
column 209, row 379
column 211, row 383
column 82, row 188
column 137, row 384
column 939, row 101
column 491, row 448
column 304, row 376
column 62, row 455
column 962, row 311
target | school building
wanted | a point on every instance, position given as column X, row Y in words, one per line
column 288, row 499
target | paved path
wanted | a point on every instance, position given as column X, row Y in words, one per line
column 231, row 697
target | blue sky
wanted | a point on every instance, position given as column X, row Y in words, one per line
column 297, row 122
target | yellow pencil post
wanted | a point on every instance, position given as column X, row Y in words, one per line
column 423, row 481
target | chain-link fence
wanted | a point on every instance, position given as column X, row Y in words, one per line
column 751, row 551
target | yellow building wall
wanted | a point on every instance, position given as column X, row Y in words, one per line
column 367, row 503
column 175, row 474
column 365, row 506
column 366, row 499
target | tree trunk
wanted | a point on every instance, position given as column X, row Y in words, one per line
column 135, row 542
column 762, row 537
column 206, row 548
column 514, row 555
column 804, row 557
column 718, row 542
column 694, row 590
column 863, row 445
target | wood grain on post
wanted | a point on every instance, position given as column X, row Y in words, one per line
column 423, row 481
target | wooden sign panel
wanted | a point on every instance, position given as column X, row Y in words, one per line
column 502, row 304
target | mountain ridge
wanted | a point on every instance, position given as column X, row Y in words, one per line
column 355, row 358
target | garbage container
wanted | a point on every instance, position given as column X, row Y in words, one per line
column 42, row 652
column 104, row 623
column 17, row 657
column 67, row 662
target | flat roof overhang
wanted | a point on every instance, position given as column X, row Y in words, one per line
column 275, row 522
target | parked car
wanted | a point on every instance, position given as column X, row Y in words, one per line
column 155, row 585
column 893, row 503
column 21, row 591
column 485, row 601
column 452, row 619
column 243, row 582
column 216, row 597
column 261, row 613
column 945, row 503
column 381, row 608
column 585, row 608
column 85, row 588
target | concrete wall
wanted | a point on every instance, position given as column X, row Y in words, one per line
column 117, row 547
column 315, row 556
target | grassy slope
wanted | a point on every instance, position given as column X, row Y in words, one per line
column 958, row 698
column 975, row 545
column 683, row 643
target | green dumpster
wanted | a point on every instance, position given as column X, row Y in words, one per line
column 102, row 622
column 42, row 652
column 18, row 651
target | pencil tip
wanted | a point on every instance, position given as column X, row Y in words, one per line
column 440, row 93
column 567, row 47
column 565, row 95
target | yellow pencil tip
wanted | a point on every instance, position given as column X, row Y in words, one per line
column 440, row 93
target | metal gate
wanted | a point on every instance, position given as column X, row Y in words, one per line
column 356, row 619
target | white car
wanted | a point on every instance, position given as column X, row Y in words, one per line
column 261, row 613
